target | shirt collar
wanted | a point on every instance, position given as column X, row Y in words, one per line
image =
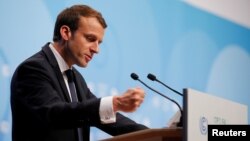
column 61, row 62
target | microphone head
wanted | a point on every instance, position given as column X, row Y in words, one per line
column 134, row 76
column 151, row 77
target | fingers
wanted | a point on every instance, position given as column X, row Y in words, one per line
column 138, row 94
column 131, row 100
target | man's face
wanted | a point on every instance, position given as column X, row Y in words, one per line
column 84, row 42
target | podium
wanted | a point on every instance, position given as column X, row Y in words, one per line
column 162, row 134
column 202, row 109
column 199, row 110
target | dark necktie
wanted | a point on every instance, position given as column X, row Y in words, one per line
column 71, row 83
column 73, row 94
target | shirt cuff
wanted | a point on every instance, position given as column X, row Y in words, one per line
column 106, row 110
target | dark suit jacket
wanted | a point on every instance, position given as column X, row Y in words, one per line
column 41, row 108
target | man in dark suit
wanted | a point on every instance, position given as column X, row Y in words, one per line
column 47, row 106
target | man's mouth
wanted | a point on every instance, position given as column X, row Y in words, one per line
column 88, row 57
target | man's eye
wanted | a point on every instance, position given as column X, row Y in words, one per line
column 90, row 38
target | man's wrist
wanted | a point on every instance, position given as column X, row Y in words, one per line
column 116, row 103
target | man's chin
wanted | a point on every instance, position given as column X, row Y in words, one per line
column 82, row 65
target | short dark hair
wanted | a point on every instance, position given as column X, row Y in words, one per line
column 71, row 16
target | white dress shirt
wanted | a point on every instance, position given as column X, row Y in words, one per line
column 106, row 111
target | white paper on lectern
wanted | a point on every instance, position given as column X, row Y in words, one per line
column 174, row 120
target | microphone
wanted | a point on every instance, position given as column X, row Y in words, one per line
column 153, row 78
column 136, row 77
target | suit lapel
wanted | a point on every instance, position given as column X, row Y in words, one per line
column 52, row 60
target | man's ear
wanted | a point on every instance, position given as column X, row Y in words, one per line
column 65, row 32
